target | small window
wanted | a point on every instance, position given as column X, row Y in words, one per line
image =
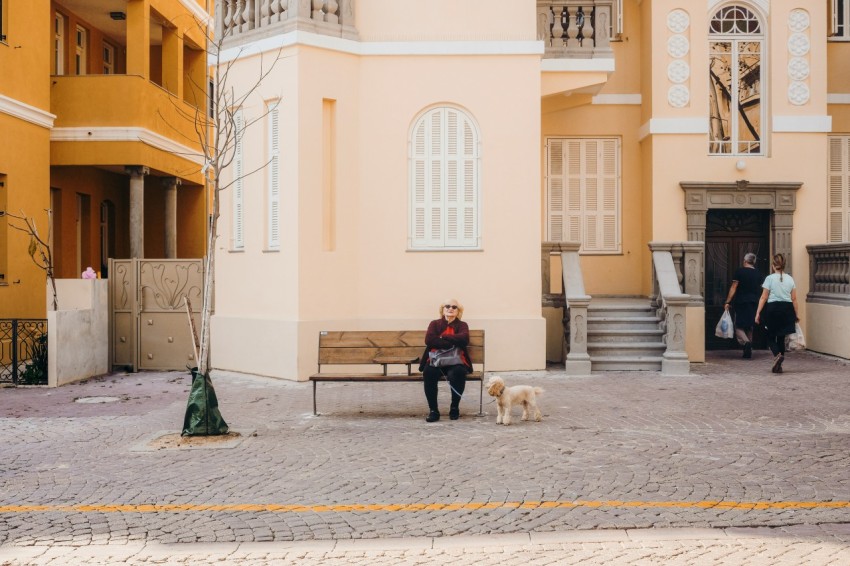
column 4, row 232
column 840, row 20
column 108, row 59
column 583, row 193
column 80, row 62
column 838, row 200
column 59, row 44
column 3, row 19
column 444, row 181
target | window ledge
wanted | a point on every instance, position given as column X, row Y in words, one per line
column 479, row 249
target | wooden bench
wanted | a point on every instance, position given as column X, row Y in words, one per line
column 385, row 348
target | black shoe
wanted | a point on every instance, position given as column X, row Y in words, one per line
column 777, row 363
column 454, row 413
column 433, row 416
column 748, row 350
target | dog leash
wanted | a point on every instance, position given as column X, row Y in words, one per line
column 446, row 377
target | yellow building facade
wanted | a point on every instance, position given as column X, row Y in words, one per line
column 98, row 106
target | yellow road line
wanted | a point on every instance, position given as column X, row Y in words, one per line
column 407, row 507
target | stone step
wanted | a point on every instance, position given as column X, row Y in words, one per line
column 622, row 322
column 625, row 363
column 618, row 335
column 621, row 310
column 625, row 349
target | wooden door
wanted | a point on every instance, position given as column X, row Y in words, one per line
column 729, row 235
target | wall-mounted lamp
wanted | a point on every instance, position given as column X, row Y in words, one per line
column 741, row 165
column 118, row 16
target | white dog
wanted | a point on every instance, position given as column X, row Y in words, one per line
column 506, row 397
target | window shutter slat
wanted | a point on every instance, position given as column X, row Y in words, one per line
column 274, row 177
column 838, row 199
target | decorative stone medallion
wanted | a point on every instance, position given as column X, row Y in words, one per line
column 798, row 20
column 798, row 44
column 798, row 68
column 678, row 96
column 678, row 21
column 678, row 46
column 798, row 93
column 678, row 71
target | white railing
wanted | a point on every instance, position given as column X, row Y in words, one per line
column 244, row 19
column 578, row 28
column 829, row 274
column 576, row 302
column 672, row 304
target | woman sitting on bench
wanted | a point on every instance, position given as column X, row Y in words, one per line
column 446, row 357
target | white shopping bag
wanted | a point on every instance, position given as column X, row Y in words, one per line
column 725, row 328
column 796, row 341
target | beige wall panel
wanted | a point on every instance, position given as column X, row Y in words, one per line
column 838, row 55
column 828, row 328
column 414, row 20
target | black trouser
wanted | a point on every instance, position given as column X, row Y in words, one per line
column 432, row 376
column 776, row 344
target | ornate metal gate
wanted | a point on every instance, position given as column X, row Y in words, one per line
column 148, row 322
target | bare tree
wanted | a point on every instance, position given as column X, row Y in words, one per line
column 219, row 134
column 38, row 248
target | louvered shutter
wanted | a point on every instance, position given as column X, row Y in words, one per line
column 583, row 193
column 444, row 181
column 555, row 190
column 609, row 205
column 238, row 186
column 839, row 189
column 274, row 177
column 574, row 180
column 833, row 17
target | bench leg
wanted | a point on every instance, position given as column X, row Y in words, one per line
column 481, row 399
column 314, row 398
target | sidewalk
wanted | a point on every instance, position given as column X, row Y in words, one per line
column 733, row 464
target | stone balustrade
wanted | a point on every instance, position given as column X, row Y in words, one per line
column 245, row 20
column 578, row 28
column 829, row 273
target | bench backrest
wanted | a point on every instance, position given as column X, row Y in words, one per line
column 363, row 347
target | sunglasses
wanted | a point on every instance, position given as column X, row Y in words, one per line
column 450, row 306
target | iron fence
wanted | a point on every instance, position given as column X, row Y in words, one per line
column 23, row 351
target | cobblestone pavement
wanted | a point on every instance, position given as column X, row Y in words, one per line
column 731, row 465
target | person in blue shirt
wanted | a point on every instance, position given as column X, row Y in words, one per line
column 777, row 310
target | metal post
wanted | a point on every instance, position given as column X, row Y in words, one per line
column 15, row 351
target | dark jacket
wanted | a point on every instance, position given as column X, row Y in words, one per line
column 435, row 340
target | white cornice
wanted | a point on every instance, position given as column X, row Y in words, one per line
column 668, row 126
column 145, row 136
column 369, row 48
column 25, row 112
column 199, row 13
column 811, row 124
column 617, row 99
column 840, row 98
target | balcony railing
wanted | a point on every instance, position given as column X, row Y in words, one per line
column 578, row 28
column 829, row 274
column 245, row 20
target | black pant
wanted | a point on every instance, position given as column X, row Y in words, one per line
column 457, row 379
column 776, row 344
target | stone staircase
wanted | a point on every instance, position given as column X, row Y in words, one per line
column 623, row 334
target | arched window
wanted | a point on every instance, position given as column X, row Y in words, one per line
column 444, row 181
column 736, row 79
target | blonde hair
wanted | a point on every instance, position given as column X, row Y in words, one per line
column 452, row 302
column 779, row 264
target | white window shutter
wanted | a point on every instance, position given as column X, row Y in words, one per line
column 839, row 189
column 575, row 188
column 833, row 17
column 583, row 192
column 555, row 190
column 444, row 181
column 238, row 241
column 273, row 160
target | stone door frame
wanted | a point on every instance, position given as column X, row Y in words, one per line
column 780, row 198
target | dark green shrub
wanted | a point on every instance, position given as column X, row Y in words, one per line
column 36, row 371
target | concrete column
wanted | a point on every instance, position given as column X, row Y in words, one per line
column 139, row 38
column 172, row 61
column 137, row 210
column 170, row 185
column 783, row 227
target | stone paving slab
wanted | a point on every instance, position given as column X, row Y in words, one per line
column 732, row 446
